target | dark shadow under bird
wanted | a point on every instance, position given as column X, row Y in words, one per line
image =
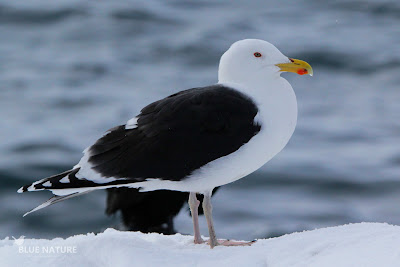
column 147, row 212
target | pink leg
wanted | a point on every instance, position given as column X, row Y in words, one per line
column 213, row 241
column 207, row 208
column 194, row 206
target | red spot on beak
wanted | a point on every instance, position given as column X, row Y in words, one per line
column 302, row 71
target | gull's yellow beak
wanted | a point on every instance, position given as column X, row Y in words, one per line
column 297, row 66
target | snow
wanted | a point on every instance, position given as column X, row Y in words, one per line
column 362, row 244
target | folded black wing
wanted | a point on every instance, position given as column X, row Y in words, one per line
column 177, row 135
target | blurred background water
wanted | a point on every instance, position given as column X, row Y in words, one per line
column 70, row 70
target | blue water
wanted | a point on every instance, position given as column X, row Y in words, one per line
column 70, row 70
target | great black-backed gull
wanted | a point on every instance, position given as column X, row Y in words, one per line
column 197, row 139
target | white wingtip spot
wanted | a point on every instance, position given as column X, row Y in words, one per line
column 20, row 190
column 131, row 124
column 64, row 180
column 31, row 188
column 47, row 184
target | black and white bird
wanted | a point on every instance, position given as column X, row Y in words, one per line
column 196, row 139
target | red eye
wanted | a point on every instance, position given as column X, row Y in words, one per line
column 257, row 54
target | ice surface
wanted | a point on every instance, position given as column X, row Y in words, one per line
column 362, row 244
